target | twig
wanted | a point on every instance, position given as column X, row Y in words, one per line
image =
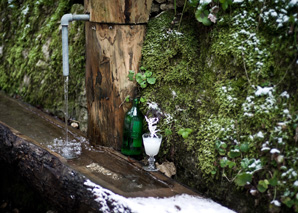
column 233, row 178
column 181, row 16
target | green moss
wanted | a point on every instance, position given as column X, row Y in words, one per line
column 32, row 57
column 232, row 85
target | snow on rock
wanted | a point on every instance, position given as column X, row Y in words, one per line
column 263, row 91
column 260, row 134
column 275, row 202
column 285, row 94
column 153, row 105
column 179, row 203
column 205, row 1
column 293, row 3
column 274, row 151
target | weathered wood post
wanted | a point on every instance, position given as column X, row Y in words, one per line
column 114, row 39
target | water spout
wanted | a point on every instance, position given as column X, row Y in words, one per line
column 64, row 23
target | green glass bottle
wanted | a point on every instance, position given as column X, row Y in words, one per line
column 132, row 131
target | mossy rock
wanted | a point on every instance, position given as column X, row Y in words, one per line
column 31, row 59
column 235, row 88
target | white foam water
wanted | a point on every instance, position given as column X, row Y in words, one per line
column 68, row 149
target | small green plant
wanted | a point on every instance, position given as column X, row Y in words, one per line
column 184, row 132
column 143, row 77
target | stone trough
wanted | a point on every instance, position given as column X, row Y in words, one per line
column 26, row 134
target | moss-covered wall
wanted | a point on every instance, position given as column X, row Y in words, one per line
column 233, row 87
column 31, row 55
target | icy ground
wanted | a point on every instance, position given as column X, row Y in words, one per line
column 180, row 203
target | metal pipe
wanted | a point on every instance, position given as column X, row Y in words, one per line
column 64, row 23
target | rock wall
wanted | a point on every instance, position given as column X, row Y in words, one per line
column 31, row 60
column 227, row 96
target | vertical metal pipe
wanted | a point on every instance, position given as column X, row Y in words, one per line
column 65, row 50
column 64, row 22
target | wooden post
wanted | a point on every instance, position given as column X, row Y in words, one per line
column 114, row 39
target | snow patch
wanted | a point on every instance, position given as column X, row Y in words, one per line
column 285, row 94
column 274, row 151
column 260, row 134
column 275, row 202
column 179, row 203
column 263, row 91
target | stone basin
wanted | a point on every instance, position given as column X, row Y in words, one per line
column 26, row 134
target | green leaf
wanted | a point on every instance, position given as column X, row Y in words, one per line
column 139, row 78
column 224, row 145
column 142, row 68
column 151, row 80
column 222, row 151
column 231, row 164
column 193, row 3
column 127, row 98
column 143, row 84
column 234, row 153
column 261, row 188
column 180, row 131
column 243, row 178
column 213, row 172
column 144, row 77
column 273, row 181
column 202, row 16
column 185, row 135
column 288, row 201
column 225, row 5
column 244, row 147
column 222, row 1
column 188, row 130
column 246, row 162
column 263, row 185
column 148, row 74
column 143, row 100
column 223, row 162
column 205, row 20
column 131, row 73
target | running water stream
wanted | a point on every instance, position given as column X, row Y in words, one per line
column 69, row 148
column 66, row 108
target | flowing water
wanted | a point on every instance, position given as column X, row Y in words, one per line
column 67, row 148
column 66, row 108
column 56, row 137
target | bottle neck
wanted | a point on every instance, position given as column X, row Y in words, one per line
column 135, row 102
column 135, row 107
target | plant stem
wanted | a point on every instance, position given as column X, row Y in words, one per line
column 181, row 15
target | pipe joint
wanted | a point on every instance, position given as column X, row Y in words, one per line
column 66, row 19
column 64, row 23
column 76, row 17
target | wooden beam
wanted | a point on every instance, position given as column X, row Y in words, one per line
column 118, row 11
column 111, row 51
